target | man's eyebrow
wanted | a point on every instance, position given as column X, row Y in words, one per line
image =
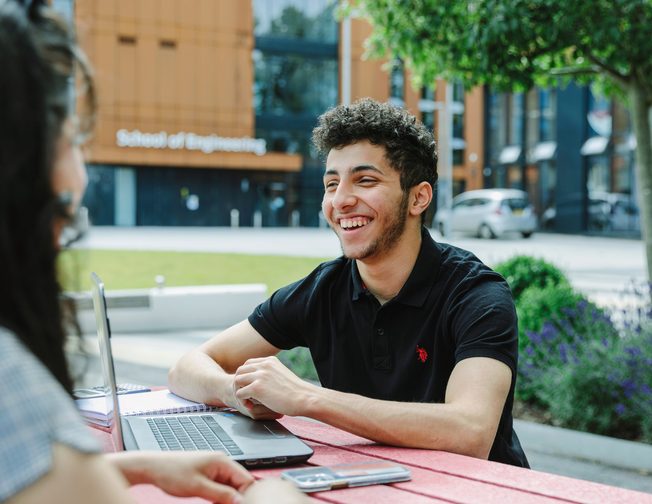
column 365, row 167
column 355, row 169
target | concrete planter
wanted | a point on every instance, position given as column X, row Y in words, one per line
column 173, row 308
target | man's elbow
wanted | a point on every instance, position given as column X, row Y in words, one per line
column 478, row 441
column 178, row 372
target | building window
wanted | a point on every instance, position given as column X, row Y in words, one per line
column 459, row 144
column 298, row 19
column 397, row 83
column 427, row 107
column 291, row 84
column 516, row 103
column 548, row 115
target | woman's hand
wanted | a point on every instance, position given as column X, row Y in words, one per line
column 274, row 490
column 209, row 475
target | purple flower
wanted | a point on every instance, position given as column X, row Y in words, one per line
column 629, row 387
column 534, row 337
column 620, row 409
column 563, row 352
column 549, row 332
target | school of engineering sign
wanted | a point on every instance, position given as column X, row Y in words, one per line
column 189, row 141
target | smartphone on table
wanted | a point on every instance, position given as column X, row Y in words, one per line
column 318, row 479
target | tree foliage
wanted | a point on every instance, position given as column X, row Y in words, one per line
column 515, row 44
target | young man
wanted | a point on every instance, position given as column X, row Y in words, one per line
column 415, row 342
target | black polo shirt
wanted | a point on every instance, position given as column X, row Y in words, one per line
column 452, row 307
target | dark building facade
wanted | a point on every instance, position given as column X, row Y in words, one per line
column 572, row 150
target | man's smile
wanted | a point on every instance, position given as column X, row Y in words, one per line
column 354, row 222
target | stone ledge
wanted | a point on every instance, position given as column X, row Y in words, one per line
column 173, row 308
column 584, row 446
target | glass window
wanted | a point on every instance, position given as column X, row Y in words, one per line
column 293, row 84
column 548, row 107
column 497, row 124
column 314, row 20
column 397, row 81
column 458, row 123
column 533, row 118
column 516, row 119
column 427, row 107
column 458, row 92
column 599, row 116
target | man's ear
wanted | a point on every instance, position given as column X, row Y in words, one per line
column 420, row 198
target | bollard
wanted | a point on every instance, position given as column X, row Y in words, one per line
column 295, row 218
column 235, row 218
column 258, row 219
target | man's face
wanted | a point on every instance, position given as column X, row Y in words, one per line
column 363, row 200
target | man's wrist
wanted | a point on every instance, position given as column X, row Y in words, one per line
column 312, row 400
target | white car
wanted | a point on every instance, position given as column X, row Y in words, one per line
column 489, row 213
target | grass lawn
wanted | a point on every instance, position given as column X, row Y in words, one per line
column 127, row 269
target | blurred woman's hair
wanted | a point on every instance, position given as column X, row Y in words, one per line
column 42, row 74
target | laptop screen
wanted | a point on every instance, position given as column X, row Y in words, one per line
column 106, row 358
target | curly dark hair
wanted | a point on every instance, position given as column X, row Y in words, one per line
column 410, row 147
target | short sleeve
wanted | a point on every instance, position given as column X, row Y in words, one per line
column 35, row 413
column 484, row 322
column 280, row 319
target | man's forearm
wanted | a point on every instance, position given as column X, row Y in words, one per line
column 198, row 377
column 416, row 425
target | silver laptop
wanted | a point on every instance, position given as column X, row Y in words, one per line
column 250, row 442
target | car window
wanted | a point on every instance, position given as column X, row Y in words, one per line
column 516, row 203
column 462, row 204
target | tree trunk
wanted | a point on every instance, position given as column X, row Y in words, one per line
column 642, row 120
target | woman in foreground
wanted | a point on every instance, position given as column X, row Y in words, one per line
column 47, row 454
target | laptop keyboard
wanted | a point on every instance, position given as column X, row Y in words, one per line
column 196, row 432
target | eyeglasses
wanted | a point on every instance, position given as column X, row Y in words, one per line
column 77, row 223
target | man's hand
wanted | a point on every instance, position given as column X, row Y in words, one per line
column 209, row 475
column 267, row 382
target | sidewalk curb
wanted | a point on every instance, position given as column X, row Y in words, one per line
column 585, row 446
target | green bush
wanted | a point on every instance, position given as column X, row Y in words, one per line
column 554, row 321
column 601, row 385
column 522, row 272
column 538, row 305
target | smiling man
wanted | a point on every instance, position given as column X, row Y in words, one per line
column 415, row 342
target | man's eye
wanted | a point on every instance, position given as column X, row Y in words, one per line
column 367, row 180
column 331, row 185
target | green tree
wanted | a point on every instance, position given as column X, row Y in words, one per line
column 515, row 44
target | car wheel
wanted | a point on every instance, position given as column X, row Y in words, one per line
column 486, row 232
column 526, row 234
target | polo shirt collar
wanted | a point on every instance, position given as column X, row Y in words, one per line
column 421, row 280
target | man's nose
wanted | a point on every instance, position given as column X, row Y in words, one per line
column 343, row 197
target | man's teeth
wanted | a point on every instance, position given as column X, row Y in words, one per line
column 352, row 223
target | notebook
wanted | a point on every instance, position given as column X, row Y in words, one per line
column 96, row 411
column 250, row 442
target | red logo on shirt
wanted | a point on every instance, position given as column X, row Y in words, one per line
column 422, row 355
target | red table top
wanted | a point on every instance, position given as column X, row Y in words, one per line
column 436, row 476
